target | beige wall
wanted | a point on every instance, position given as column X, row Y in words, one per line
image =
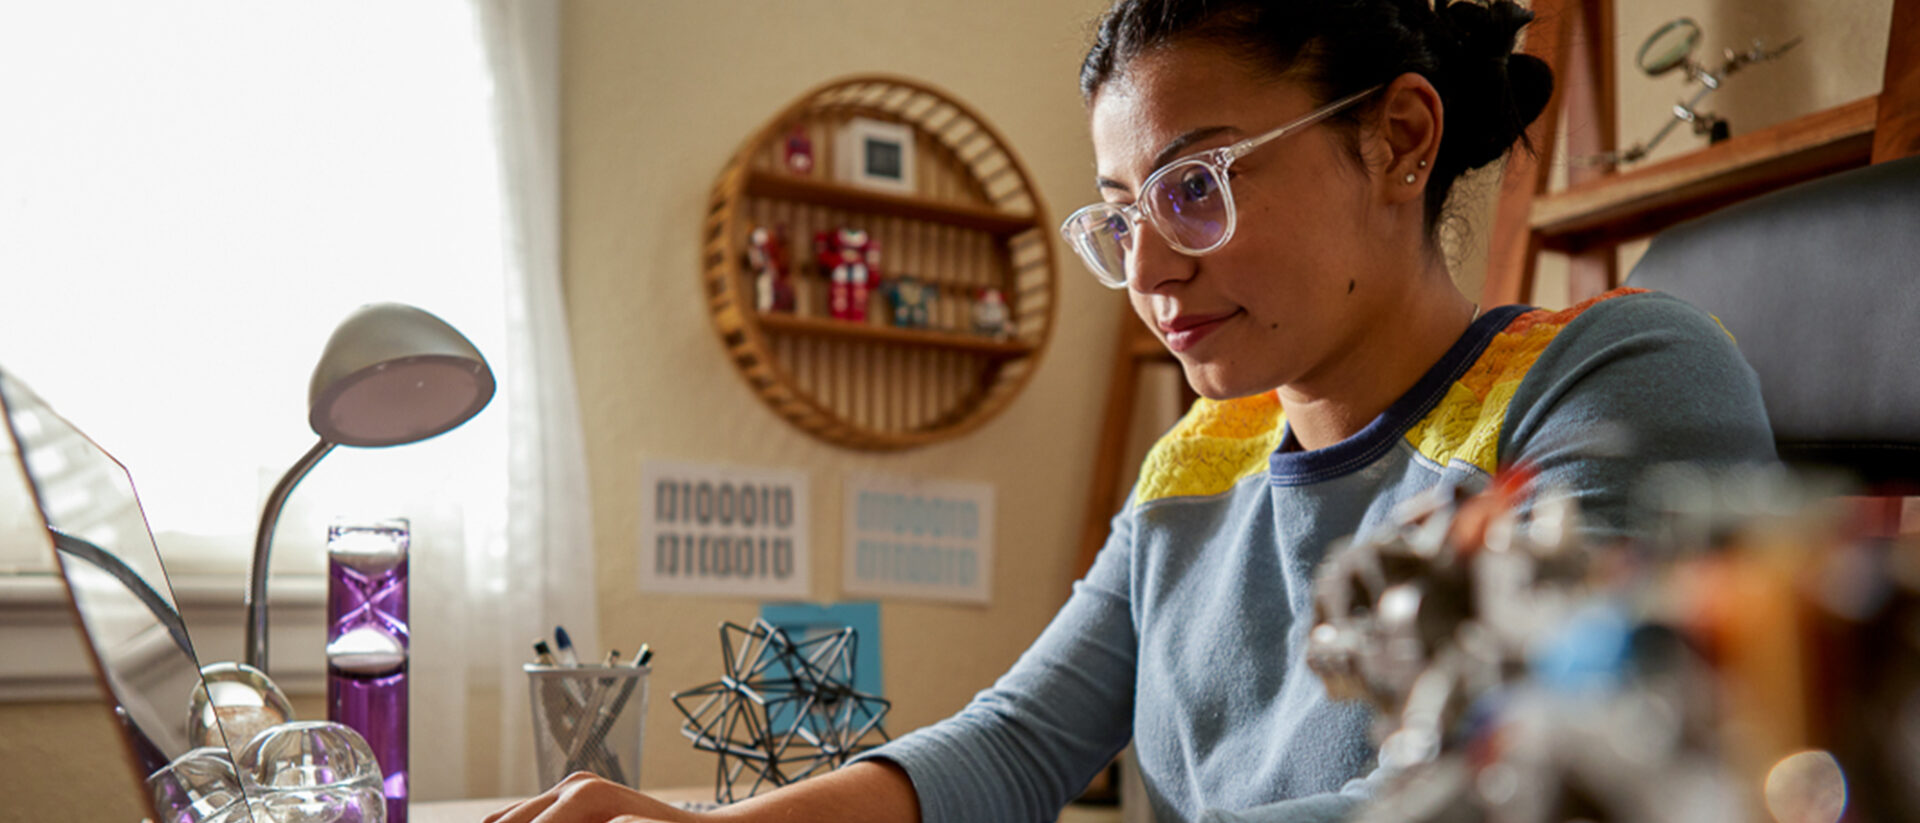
column 657, row 97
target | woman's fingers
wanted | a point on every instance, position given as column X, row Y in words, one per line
column 524, row 811
column 585, row 798
column 527, row 811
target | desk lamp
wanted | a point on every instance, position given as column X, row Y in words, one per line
column 391, row 374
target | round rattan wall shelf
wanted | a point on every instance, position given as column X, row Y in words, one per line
column 970, row 221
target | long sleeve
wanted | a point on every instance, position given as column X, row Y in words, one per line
column 1329, row 807
column 1631, row 384
column 1026, row 746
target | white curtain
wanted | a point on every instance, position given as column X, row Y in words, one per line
column 486, row 584
column 545, row 576
column 503, row 554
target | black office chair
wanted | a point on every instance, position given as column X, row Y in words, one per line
column 1820, row 284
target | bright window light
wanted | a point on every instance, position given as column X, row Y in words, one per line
column 193, row 194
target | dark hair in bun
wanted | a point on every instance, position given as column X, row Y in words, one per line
column 1337, row 47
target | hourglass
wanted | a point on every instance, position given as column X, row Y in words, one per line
column 367, row 644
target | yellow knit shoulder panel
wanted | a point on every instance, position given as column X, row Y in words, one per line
column 1466, row 424
column 1216, row 445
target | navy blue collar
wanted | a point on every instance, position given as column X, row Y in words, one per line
column 1289, row 466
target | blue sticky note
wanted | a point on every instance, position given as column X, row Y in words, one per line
column 805, row 621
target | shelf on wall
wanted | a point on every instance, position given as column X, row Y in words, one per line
column 924, row 338
column 1636, row 203
column 973, row 221
column 782, row 186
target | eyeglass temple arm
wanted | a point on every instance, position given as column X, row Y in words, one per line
column 1235, row 151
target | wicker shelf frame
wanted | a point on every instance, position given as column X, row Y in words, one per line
column 974, row 221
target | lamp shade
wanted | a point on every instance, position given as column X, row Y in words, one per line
column 394, row 374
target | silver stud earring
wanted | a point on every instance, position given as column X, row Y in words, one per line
column 1423, row 164
column 1410, row 178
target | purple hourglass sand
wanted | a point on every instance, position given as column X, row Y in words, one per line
column 367, row 645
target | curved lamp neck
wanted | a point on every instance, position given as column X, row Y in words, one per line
column 263, row 550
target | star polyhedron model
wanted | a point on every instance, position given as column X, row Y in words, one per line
column 784, row 711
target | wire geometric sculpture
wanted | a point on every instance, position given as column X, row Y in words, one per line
column 783, row 712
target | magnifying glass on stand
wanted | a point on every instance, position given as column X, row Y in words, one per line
column 1670, row 48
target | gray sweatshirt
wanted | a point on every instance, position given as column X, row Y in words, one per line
column 1188, row 635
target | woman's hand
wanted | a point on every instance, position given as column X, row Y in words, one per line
column 875, row 791
column 586, row 798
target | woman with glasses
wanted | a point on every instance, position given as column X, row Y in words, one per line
column 1271, row 178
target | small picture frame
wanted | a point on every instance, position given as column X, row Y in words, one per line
column 876, row 154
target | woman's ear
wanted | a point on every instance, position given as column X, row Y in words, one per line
column 1407, row 136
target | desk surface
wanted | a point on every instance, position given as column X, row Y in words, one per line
column 469, row 811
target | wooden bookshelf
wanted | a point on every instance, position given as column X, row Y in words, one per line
column 1619, row 207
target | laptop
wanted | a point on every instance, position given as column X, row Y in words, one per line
column 70, row 495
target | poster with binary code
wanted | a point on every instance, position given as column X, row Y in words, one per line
column 924, row 539
column 723, row 530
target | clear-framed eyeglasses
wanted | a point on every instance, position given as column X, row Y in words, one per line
column 1188, row 201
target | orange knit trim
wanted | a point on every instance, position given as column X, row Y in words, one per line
column 1566, row 315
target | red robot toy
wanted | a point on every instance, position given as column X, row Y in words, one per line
column 851, row 261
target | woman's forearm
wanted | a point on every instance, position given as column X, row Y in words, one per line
column 872, row 791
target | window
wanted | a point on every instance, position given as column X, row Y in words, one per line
column 193, row 195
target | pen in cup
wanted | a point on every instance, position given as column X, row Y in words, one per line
column 564, row 644
column 602, row 725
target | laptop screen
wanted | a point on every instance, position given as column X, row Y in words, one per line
column 95, row 527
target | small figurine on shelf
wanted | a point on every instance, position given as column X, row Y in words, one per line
column 851, row 260
column 990, row 315
column 799, row 151
column 767, row 254
column 912, row 301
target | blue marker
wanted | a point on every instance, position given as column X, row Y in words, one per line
column 564, row 645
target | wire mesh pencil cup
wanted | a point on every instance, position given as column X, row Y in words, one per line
column 588, row 718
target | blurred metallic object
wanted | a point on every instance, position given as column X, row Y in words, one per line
column 1422, row 619
column 1524, row 675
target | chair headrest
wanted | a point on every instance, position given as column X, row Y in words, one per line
column 1820, row 285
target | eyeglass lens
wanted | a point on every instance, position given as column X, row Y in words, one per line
column 1186, row 203
column 1102, row 237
